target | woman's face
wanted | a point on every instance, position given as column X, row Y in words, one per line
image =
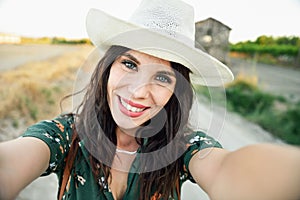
column 138, row 87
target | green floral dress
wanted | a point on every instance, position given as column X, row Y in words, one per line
column 57, row 134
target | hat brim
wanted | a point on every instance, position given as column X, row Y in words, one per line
column 105, row 30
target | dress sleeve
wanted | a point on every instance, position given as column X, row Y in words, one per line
column 57, row 134
column 196, row 142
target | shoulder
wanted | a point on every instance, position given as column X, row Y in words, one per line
column 57, row 134
column 59, row 125
column 196, row 141
column 200, row 140
column 64, row 121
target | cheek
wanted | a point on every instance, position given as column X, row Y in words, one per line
column 114, row 79
column 162, row 96
column 111, row 85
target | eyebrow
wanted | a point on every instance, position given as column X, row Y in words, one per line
column 169, row 73
column 131, row 57
column 138, row 62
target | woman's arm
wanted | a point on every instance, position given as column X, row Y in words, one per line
column 21, row 161
column 260, row 172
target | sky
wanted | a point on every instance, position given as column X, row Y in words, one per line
column 248, row 19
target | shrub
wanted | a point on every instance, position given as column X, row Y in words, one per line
column 247, row 99
column 260, row 107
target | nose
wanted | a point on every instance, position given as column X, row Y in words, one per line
column 140, row 88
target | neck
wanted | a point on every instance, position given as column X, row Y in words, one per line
column 126, row 141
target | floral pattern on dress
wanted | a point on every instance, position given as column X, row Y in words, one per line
column 196, row 142
column 57, row 134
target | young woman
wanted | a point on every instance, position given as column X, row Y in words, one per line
column 130, row 139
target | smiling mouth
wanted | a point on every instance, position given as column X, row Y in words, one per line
column 131, row 109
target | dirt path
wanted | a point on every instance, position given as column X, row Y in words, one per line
column 271, row 78
column 12, row 56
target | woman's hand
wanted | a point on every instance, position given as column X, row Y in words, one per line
column 260, row 172
column 21, row 161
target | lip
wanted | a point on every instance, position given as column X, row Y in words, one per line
column 133, row 104
column 130, row 113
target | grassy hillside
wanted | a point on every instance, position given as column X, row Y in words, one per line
column 33, row 91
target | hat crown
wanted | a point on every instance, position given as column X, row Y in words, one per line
column 161, row 28
column 173, row 18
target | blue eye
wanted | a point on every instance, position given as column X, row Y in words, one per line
column 129, row 64
column 163, row 79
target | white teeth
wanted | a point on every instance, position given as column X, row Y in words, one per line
column 134, row 109
column 129, row 107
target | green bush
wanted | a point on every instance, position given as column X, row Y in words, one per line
column 247, row 99
column 260, row 108
column 274, row 50
column 57, row 40
column 290, row 128
column 267, row 49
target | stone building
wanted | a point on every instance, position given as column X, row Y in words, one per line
column 213, row 36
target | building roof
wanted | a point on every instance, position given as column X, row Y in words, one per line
column 212, row 19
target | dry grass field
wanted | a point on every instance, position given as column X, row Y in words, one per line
column 33, row 91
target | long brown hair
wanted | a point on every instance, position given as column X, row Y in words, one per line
column 96, row 126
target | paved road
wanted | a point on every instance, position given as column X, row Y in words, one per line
column 230, row 129
column 12, row 56
column 274, row 79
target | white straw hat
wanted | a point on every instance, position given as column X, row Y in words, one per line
column 162, row 28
